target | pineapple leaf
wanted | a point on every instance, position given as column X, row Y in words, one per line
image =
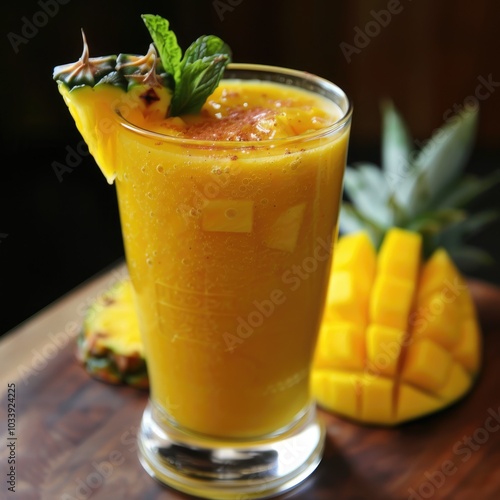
column 367, row 188
column 396, row 145
column 413, row 188
column 441, row 161
column 468, row 258
column 476, row 222
column 423, row 191
column 351, row 221
column 435, row 222
column 453, row 234
column 467, row 189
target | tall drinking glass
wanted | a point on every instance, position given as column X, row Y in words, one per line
column 229, row 246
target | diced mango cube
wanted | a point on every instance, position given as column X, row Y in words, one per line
column 341, row 345
column 284, row 232
column 457, row 383
column 391, row 300
column 413, row 403
column 437, row 274
column 232, row 216
column 336, row 391
column 351, row 279
column 427, row 365
column 356, row 251
column 437, row 318
column 468, row 349
column 399, row 255
column 345, row 300
column 383, row 347
column 466, row 304
column 377, row 399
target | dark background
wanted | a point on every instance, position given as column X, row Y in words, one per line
column 57, row 232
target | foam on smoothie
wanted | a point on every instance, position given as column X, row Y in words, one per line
column 261, row 111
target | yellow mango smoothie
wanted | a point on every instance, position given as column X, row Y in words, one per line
column 228, row 218
column 229, row 180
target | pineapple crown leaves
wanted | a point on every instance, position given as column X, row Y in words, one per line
column 197, row 73
column 87, row 70
column 142, row 70
column 123, row 70
column 423, row 190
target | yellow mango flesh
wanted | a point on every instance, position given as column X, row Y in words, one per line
column 354, row 265
column 400, row 338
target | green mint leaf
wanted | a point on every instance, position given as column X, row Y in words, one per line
column 197, row 74
column 166, row 44
column 198, row 80
column 205, row 46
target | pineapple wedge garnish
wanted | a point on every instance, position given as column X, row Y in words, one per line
column 96, row 89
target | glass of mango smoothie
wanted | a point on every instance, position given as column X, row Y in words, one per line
column 228, row 220
column 229, row 209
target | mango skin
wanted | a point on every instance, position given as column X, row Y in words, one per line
column 400, row 337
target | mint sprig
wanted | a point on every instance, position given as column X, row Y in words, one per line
column 196, row 74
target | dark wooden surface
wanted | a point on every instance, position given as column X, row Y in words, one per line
column 76, row 436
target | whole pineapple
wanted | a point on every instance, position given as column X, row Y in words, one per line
column 423, row 190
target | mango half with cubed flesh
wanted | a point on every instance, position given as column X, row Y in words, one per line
column 400, row 338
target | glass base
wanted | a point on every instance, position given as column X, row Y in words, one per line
column 232, row 469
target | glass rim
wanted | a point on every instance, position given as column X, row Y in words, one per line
column 321, row 82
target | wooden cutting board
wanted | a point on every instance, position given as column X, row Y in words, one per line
column 75, row 437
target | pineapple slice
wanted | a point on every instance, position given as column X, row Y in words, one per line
column 109, row 345
column 91, row 108
column 96, row 89
column 419, row 349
